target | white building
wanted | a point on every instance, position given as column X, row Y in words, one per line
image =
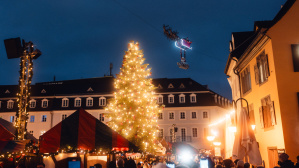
column 188, row 104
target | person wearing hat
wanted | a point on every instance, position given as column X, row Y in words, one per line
column 284, row 161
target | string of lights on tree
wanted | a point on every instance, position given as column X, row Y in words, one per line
column 25, row 79
column 134, row 109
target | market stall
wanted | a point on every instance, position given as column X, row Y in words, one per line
column 83, row 139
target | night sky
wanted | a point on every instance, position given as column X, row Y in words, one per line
column 79, row 39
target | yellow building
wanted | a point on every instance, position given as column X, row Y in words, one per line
column 263, row 68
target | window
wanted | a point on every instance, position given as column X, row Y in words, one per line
column 215, row 98
column 245, row 80
column 171, row 98
column 12, row 118
column 193, row 98
column 182, row 115
column 194, row 132
column 205, row 115
column 295, row 54
column 44, row 103
column 32, row 118
column 30, row 132
column 44, row 118
column 251, row 114
column 261, row 69
column 89, row 102
column 102, row 101
column 193, row 114
column 32, row 103
column 77, row 102
column 171, row 115
column 160, row 99
column 101, row 117
column 183, row 134
column 65, row 102
column 64, row 116
column 160, row 116
column 160, row 133
column 10, row 104
column 182, row 98
column 267, row 113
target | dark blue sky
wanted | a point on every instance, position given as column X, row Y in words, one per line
column 80, row 38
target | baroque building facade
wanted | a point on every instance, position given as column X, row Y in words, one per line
column 187, row 104
column 262, row 68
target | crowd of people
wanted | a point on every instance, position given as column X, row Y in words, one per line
column 283, row 162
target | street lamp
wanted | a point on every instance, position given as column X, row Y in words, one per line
column 234, row 103
column 217, row 143
column 210, row 138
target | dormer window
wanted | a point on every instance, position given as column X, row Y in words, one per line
column 182, row 98
column 160, row 87
column 170, row 86
column 89, row 89
column 32, row 103
column 78, row 102
column 89, row 102
column 10, row 104
column 193, row 98
column 182, row 86
column 171, row 98
column 160, row 99
column 44, row 103
column 102, row 101
column 65, row 102
column 43, row 91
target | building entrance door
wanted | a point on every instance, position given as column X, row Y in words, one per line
column 272, row 156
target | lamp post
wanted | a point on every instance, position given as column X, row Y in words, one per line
column 234, row 103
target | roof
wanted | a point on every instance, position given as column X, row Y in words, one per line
column 81, row 130
column 9, row 127
column 104, row 87
column 100, row 85
column 285, row 8
column 262, row 24
column 243, row 40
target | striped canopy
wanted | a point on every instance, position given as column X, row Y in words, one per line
column 82, row 131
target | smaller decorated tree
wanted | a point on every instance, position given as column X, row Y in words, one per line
column 134, row 109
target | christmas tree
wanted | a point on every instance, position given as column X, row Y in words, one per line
column 134, row 109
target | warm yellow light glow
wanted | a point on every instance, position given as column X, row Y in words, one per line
column 217, row 143
column 214, row 132
column 232, row 128
column 133, row 110
column 253, row 127
column 227, row 116
column 210, row 138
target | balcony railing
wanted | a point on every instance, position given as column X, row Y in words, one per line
column 178, row 139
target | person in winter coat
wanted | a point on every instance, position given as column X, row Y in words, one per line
column 284, row 161
column 228, row 163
